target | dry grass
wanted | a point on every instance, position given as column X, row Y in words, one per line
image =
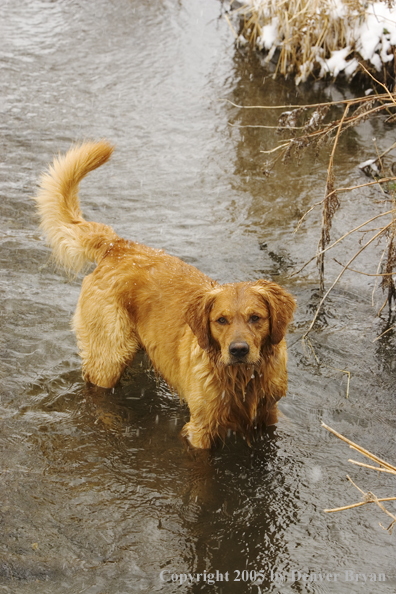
column 304, row 34
column 368, row 497
column 363, row 108
column 314, row 133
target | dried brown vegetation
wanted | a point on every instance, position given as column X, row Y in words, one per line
column 309, row 38
column 368, row 497
column 306, row 129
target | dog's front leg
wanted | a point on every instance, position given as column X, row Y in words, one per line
column 198, row 436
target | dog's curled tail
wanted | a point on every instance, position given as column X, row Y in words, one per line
column 74, row 241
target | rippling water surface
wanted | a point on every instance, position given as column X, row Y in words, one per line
column 99, row 494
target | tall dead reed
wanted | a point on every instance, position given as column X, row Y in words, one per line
column 313, row 132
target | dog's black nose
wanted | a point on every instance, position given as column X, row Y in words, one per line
column 239, row 349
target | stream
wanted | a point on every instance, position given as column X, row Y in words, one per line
column 98, row 492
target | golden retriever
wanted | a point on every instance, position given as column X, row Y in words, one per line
column 221, row 347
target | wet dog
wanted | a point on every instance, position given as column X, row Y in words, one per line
column 221, row 347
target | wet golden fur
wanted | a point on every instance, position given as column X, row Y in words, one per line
column 221, row 347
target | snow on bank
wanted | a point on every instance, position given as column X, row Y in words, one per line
column 321, row 36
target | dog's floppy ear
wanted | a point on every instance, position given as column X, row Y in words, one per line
column 197, row 317
column 281, row 307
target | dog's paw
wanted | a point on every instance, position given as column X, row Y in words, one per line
column 197, row 437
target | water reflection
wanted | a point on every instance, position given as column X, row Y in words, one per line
column 133, row 488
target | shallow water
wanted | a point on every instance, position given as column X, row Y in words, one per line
column 99, row 494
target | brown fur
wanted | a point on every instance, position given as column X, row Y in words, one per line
column 140, row 297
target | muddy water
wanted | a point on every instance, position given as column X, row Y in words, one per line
column 98, row 492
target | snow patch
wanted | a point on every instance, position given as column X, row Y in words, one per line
column 368, row 31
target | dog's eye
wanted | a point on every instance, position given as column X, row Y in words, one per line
column 254, row 318
column 222, row 321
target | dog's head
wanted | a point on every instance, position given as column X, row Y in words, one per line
column 237, row 320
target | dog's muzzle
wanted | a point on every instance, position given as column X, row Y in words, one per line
column 239, row 350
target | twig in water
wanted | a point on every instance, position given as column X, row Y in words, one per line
column 359, row 504
column 309, row 105
column 349, row 189
column 377, row 468
column 380, row 336
column 347, row 373
column 340, row 275
column 361, row 271
column 368, row 497
column 331, row 204
column 341, row 238
column 359, row 448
